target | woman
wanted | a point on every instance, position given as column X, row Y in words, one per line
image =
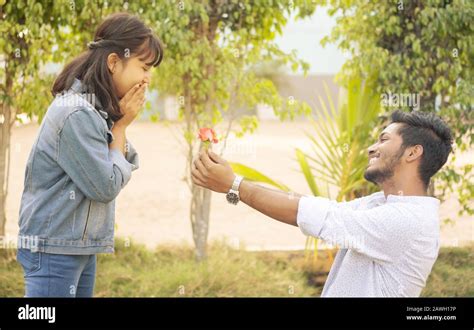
column 81, row 159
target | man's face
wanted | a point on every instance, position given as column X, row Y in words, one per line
column 385, row 155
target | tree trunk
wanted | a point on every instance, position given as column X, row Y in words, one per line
column 4, row 160
column 199, row 214
column 201, row 198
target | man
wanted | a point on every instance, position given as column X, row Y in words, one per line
column 389, row 240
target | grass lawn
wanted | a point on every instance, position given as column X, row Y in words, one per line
column 171, row 271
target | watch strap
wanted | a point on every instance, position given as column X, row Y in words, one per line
column 237, row 181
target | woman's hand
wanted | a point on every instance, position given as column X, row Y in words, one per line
column 131, row 104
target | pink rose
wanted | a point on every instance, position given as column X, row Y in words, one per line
column 207, row 135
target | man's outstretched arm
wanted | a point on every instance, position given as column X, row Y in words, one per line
column 213, row 172
column 382, row 233
column 278, row 205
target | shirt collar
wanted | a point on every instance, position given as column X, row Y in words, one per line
column 406, row 199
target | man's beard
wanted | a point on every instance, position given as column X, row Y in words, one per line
column 378, row 176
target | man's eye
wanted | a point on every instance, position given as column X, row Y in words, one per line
column 146, row 69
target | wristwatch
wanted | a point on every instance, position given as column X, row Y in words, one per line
column 233, row 196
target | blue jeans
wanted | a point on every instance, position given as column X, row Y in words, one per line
column 57, row 275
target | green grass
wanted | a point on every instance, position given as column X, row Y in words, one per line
column 452, row 274
column 171, row 271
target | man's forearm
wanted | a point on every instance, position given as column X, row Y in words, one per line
column 278, row 205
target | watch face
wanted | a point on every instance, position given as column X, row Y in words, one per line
column 232, row 198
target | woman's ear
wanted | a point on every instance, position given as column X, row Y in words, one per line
column 112, row 60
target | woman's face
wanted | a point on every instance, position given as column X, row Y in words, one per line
column 128, row 73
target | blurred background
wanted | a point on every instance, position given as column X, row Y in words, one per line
column 296, row 90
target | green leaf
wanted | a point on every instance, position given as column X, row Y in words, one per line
column 256, row 176
column 306, row 169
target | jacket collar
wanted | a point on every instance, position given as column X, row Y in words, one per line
column 78, row 87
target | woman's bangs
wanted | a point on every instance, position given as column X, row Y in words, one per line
column 152, row 52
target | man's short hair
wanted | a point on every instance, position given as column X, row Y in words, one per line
column 431, row 132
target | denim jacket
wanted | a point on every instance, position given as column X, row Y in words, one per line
column 72, row 179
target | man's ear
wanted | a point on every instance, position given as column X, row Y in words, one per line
column 414, row 153
column 112, row 61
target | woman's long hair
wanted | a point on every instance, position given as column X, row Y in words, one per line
column 123, row 34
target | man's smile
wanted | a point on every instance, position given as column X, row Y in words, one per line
column 373, row 159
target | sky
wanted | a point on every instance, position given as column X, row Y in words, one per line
column 305, row 36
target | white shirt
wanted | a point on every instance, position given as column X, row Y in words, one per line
column 388, row 245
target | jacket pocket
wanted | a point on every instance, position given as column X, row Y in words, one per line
column 87, row 221
column 99, row 222
column 25, row 182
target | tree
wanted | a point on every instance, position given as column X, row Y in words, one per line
column 210, row 47
column 420, row 48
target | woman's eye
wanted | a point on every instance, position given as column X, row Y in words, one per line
column 146, row 69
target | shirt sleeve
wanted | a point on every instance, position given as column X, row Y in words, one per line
column 381, row 233
column 84, row 155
